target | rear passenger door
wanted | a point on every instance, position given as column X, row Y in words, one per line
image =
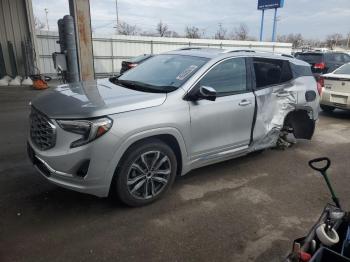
column 272, row 80
column 224, row 124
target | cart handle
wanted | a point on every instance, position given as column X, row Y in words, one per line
column 324, row 160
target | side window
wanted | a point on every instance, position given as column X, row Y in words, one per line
column 337, row 57
column 227, row 77
column 271, row 72
column 346, row 58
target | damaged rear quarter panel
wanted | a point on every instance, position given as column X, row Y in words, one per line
column 274, row 103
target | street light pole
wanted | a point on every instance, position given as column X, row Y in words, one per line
column 262, row 25
column 47, row 20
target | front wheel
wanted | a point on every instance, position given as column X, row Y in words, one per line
column 328, row 109
column 146, row 173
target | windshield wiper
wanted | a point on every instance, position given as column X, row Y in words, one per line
column 140, row 86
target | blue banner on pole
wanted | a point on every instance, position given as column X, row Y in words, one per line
column 270, row 4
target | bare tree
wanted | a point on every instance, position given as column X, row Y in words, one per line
column 333, row 40
column 192, row 32
column 241, row 32
column 173, row 34
column 221, row 32
column 282, row 38
column 162, row 29
column 124, row 28
column 38, row 24
column 296, row 39
column 148, row 33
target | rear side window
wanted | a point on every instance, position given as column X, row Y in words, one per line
column 271, row 72
column 300, row 70
column 311, row 58
column 346, row 58
column 336, row 57
column 345, row 69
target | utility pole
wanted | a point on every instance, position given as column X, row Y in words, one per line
column 274, row 26
column 117, row 13
column 47, row 20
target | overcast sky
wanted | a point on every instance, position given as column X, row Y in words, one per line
column 312, row 18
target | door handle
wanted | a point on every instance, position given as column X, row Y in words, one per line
column 244, row 102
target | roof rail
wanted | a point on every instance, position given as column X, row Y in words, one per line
column 290, row 56
column 240, row 50
column 189, row 48
column 257, row 51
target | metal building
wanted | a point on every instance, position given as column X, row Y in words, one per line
column 16, row 25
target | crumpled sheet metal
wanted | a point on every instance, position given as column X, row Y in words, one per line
column 272, row 110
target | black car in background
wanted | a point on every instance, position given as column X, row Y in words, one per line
column 132, row 62
column 323, row 62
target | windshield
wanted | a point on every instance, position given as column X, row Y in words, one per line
column 310, row 58
column 344, row 70
column 161, row 73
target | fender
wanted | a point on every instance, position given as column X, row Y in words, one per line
column 147, row 134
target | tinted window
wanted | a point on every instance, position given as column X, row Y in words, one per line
column 345, row 69
column 161, row 73
column 300, row 70
column 271, row 72
column 310, row 57
column 346, row 58
column 227, row 77
column 336, row 57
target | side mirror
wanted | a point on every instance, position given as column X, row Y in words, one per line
column 207, row 92
column 204, row 92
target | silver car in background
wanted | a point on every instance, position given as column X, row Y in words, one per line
column 130, row 136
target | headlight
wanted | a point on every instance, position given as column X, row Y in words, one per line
column 88, row 129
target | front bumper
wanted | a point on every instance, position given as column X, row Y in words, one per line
column 82, row 169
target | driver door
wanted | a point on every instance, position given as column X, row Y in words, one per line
column 223, row 125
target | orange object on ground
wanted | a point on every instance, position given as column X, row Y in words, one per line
column 40, row 84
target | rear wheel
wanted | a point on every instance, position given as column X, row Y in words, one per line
column 146, row 173
column 328, row 109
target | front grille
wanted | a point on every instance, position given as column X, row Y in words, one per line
column 42, row 130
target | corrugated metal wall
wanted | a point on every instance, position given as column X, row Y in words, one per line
column 110, row 52
column 14, row 28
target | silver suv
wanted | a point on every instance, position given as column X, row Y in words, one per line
column 131, row 135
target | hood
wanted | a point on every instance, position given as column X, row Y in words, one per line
column 93, row 99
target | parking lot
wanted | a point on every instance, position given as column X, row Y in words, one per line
column 247, row 209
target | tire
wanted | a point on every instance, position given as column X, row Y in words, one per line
column 328, row 109
column 151, row 161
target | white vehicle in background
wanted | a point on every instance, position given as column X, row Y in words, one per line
column 336, row 89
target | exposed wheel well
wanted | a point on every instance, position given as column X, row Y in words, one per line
column 300, row 124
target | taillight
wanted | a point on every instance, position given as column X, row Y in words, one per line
column 320, row 84
column 132, row 65
column 320, row 66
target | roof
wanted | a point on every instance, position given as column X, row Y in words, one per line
column 198, row 51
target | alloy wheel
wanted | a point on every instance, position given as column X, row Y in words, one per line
column 148, row 175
